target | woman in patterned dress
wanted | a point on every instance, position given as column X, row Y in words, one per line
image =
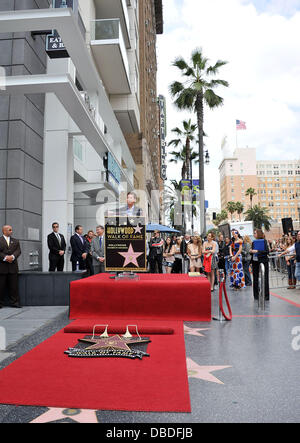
column 237, row 278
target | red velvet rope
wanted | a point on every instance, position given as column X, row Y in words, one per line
column 221, row 290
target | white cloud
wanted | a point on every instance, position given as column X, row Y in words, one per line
column 263, row 51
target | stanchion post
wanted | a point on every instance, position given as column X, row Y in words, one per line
column 221, row 282
column 261, row 295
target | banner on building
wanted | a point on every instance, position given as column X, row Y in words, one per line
column 162, row 134
column 190, row 192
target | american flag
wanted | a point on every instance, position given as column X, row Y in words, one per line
column 240, row 124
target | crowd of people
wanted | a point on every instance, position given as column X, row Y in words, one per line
column 284, row 257
column 87, row 251
column 240, row 258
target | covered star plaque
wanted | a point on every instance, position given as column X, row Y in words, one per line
column 114, row 346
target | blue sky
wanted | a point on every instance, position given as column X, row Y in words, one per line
column 260, row 40
column 283, row 7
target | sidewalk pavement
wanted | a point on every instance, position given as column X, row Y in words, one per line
column 17, row 324
column 292, row 295
column 246, row 370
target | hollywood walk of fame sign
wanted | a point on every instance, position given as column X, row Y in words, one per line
column 114, row 346
column 125, row 244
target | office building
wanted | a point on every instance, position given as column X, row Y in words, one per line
column 276, row 182
column 70, row 106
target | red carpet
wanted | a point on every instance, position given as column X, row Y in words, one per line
column 46, row 376
column 85, row 327
column 154, row 296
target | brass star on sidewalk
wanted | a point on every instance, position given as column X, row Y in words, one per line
column 194, row 331
column 78, row 415
column 203, row 372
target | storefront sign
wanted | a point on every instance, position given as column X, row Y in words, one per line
column 55, row 47
column 163, row 132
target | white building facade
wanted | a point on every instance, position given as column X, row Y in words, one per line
column 82, row 105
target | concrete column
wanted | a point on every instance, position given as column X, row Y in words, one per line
column 58, row 184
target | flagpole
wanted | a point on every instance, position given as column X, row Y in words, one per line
column 239, row 125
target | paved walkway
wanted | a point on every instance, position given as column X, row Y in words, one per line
column 18, row 324
column 246, row 370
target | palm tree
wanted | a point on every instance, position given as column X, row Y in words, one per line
column 218, row 220
column 259, row 216
column 185, row 137
column 220, row 217
column 196, row 91
column 231, row 208
column 223, row 215
column 251, row 193
column 239, row 207
column 180, row 156
column 172, row 199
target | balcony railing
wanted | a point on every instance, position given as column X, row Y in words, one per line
column 109, row 32
column 108, row 29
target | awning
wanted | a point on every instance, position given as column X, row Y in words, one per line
column 161, row 228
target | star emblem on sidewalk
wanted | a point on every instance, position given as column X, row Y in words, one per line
column 194, row 331
column 130, row 256
column 78, row 415
column 203, row 372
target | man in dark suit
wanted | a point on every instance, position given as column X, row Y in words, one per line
column 156, row 253
column 10, row 251
column 57, row 248
column 98, row 252
column 80, row 249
